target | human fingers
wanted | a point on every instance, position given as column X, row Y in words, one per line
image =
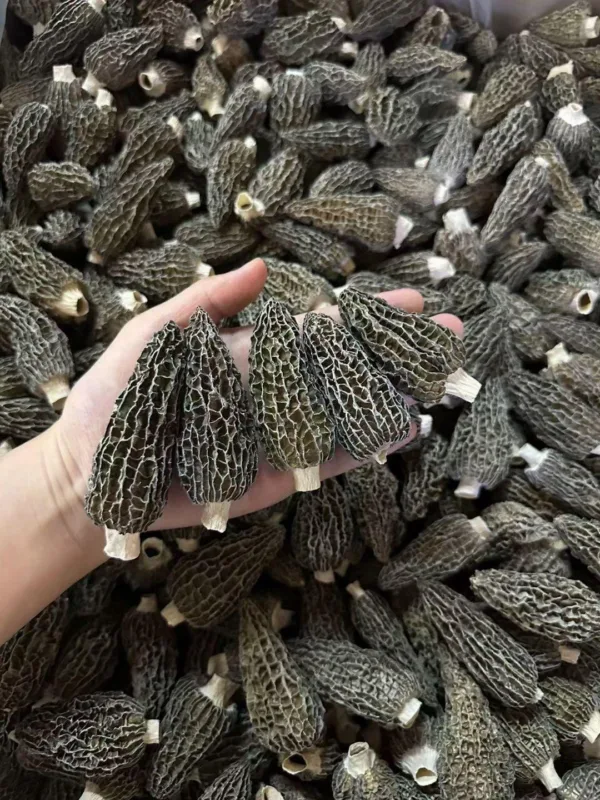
column 450, row 321
column 238, row 339
column 220, row 296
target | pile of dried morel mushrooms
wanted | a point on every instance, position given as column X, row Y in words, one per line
column 427, row 625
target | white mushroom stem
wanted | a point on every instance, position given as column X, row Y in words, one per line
column 104, row 99
column 409, row 712
column 558, row 355
column 480, row 527
column 38, row 28
column 457, row 221
column 91, row 85
column 596, row 451
column 63, row 73
column 422, row 162
column 72, row 304
column 97, row 5
column 307, row 479
column 172, row 615
column 325, row 576
column 469, row 488
column 262, row 86
column 360, row 759
column 268, row 793
column 94, row 257
column 122, row 546
column 214, row 516
column 404, row 226
column 421, row 763
column 534, row 458
column 591, row 729
column 56, row 391
column 549, row 776
column 193, row 38
column 148, row 604
column 219, row 690
column 281, row 617
column 132, row 300
column 187, row 545
column 176, row 126
column 152, row 82
column 380, row 457
column 220, row 44
column 91, row 792
column 538, row 695
column 192, row 199
column 355, row 590
column 203, row 270
column 569, row 655
column 461, row 384
column 426, row 425
column 566, row 68
column 213, row 105
column 218, row 665
column 464, row 101
column 152, row 561
column 572, row 114
column 584, row 302
column 152, row 735
column 441, row 194
column 440, row 269
column 298, row 763
column 590, row 28
column 247, row 207
column 349, row 49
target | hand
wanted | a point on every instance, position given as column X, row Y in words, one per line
column 47, row 542
column 92, row 398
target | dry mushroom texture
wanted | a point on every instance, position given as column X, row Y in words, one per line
column 357, row 149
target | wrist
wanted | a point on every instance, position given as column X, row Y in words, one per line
column 66, row 487
column 46, row 541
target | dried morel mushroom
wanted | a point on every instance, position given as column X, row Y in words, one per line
column 217, row 458
column 371, row 490
column 424, row 358
column 89, row 737
column 133, row 464
column 563, row 610
column 366, row 425
column 206, row 584
column 473, row 754
column 286, row 712
column 363, row 681
column 322, row 530
column 294, row 427
column 41, row 349
column 447, row 546
column 197, row 715
column 496, row 661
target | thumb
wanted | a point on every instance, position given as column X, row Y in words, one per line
column 220, row 296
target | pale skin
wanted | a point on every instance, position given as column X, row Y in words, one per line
column 46, row 541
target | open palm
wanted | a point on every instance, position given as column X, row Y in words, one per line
column 91, row 401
